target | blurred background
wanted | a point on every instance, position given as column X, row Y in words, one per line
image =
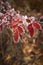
column 27, row 53
column 28, row 5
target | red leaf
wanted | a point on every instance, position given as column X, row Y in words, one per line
column 31, row 30
column 15, row 27
column 20, row 29
column 14, row 23
column 37, row 25
column 16, row 36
